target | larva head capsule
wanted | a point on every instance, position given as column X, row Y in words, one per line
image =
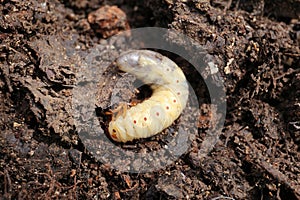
column 117, row 132
column 114, row 132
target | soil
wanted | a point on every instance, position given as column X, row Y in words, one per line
column 255, row 45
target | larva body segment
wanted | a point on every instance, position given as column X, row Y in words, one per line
column 169, row 98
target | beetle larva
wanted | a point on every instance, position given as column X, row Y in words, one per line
column 169, row 97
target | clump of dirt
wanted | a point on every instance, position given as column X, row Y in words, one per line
column 108, row 21
column 44, row 47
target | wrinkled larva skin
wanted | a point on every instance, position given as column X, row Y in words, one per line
column 169, row 98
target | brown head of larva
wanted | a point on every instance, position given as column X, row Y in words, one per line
column 114, row 132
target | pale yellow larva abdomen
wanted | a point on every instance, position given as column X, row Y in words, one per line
column 169, row 98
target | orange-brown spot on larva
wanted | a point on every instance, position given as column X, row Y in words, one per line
column 167, row 107
column 177, row 81
column 145, row 118
column 157, row 114
column 134, row 121
column 114, row 136
column 174, row 101
column 178, row 93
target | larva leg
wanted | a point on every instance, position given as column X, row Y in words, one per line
column 119, row 111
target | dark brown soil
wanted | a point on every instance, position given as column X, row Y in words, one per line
column 255, row 45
